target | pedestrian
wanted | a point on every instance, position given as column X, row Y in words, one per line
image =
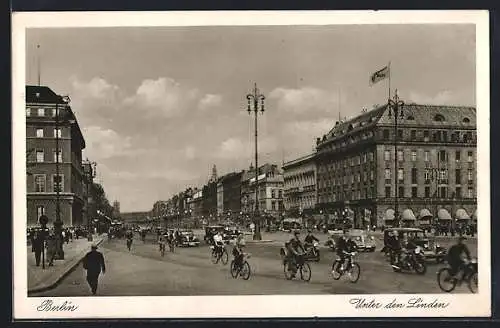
column 38, row 245
column 51, row 248
column 93, row 262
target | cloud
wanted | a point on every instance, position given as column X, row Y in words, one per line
column 442, row 97
column 96, row 88
column 104, row 143
column 304, row 101
column 190, row 152
column 231, row 148
column 210, row 101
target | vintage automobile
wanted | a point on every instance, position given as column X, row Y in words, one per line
column 210, row 231
column 333, row 236
column 188, row 239
column 431, row 249
column 364, row 242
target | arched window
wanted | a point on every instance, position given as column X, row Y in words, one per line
column 410, row 118
column 439, row 118
column 466, row 120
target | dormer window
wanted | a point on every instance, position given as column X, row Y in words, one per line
column 439, row 118
column 466, row 120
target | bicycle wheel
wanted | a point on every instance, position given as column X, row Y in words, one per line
column 245, row 271
column 214, row 256
column 233, row 269
column 305, row 272
column 354, row 272
column 336, row 270
column 287, row 271
column 472, row 283
column 224, row 257
column 445, row 281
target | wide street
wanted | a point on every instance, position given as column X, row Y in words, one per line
column 189, row 271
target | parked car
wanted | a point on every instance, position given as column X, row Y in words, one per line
column 364, row 242
column 431, row 249
column 188, row 239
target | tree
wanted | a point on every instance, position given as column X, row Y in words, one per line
column 101, row 201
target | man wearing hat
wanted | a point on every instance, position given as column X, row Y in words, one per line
column 93, row 262
column 455, row 255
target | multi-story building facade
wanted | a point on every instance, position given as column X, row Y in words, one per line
column 431, row 154
column 229, row 195
column 300, row 185
column 269, row 189
column 51, row 124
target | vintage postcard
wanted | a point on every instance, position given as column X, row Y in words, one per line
column 251, row 164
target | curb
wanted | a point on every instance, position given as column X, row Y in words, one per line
column 60, row 278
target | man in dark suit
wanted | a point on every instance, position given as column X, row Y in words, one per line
column 93, row 262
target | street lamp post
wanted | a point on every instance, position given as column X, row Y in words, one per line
column 58, row 222
column 396, row 112
column 256, row 98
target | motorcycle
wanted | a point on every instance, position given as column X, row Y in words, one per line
column 411, row 260
column 312, row 252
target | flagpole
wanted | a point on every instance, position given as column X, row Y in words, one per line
column 389, row 79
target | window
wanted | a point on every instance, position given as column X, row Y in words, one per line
column 443, row 192
column 40, row 210
column 41, row 111
column 426, row 135
column 272, row 193
column 280, row 193
column 39, row 156
column 401, row 191
column 57, row 133
column 458, row 192
column 400, row 155
column 364, row 158
column 414, row 156
column 372, row 175
column 470, row 156
column 39, row 133
column 439, row 118
column 445, row 136
column 386, row 134
column 400, row 175
column 387, row 155
column 410, row 118
column 427, row 175
column 426, row 156
column 458, row 176
column 427, row 192
column 442, row 174
column 39, row 182
column 28, row 111
column 58, row 156
column 414, row 175
column 400, row 134
column 365, row 175
column 457, row 155
column 470, row 175
column 414, row 192
column 387, row 174
column 387, row 192
column 58, row 182
column 470, row 192
column 54, row 112
column 413, row 134
column 442, row 156
column 466, row 120
column 370, row 156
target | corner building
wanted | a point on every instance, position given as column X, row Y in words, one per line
column 435, row 170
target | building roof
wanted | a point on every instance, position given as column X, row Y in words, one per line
column 299, row 160
column 42, row 95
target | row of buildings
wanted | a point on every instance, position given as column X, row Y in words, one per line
column 56, row 175
column 366, row 171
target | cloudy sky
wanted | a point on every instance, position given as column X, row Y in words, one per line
column 160, row 106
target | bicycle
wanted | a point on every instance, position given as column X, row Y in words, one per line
column 447, row 282
column 243, row 269
column 301, row 266
column 353, row 269
column 219, row 253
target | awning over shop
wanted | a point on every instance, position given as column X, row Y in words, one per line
column 462, row 214
column 443, row 214
column 425, row 214
column 474, row 216
column 389, row 214
column 408, row 215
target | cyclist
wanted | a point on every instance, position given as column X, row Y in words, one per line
column 395, row 247
column 343, row 248
column 295, row 249
column 455, row 256
column 162, row 239
column 130, row 238
column 238, row 250
column 218, row 242
column 309, row 240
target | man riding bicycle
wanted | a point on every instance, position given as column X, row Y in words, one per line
column 455, row 256
column 295, row 250
column 218, row 242
column 344, row 248
column 238, row 250
column 162, row 240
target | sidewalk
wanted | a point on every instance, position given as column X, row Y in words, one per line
column 40, row 279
